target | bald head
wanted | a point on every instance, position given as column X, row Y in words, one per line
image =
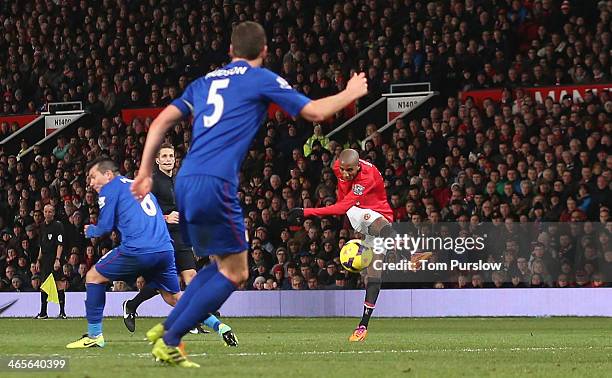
column 349, row 164
column 349, row 156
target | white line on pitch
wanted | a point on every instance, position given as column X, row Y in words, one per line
column 334, row 352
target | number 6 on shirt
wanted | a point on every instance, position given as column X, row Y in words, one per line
column 148, row 206
column 216, row 100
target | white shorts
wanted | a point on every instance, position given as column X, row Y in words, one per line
column 361, row 219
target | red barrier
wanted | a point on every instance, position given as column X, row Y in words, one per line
column 22, row 120
column 129, row 114
column 540, row 93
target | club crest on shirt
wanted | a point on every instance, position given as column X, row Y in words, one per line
column 49, row 236
column 358, row 189
column 283, row 83
column 366, row 216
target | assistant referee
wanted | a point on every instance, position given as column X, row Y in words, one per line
column 50, row 254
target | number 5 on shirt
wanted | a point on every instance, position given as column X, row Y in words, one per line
column 216, row 100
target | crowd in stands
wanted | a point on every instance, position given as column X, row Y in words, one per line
column 505, row 162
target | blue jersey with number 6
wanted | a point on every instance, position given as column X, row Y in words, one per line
column 141, row 224
column 228, row 106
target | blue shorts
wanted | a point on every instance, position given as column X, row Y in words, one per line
column 210, row 215
column 158, row 268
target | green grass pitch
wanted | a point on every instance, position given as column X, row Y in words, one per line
column 318, row 347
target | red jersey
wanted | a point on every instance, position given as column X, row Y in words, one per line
column 366, row 190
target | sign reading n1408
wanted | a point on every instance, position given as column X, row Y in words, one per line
column 399, row 105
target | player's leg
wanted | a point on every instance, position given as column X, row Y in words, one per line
column 165, row 279
column 192, row 290
column 212, row 224
column 186, row 265
column 372, row 224
column 187, row 276
column 94, row 307
column 211, row 321
column 379, row 228
column 131, row 305
column 170, row 298
column 146, row 293
column 111, row 267
column 382, row 228
column 185, row 312
column 187, row 272
column 233, row 271
column 184, row 259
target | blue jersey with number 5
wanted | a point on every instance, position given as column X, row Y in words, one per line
column 141, row 224
column 228, row 106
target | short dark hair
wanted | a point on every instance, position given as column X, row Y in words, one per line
column 165, row 145
column 103, row 164
column 248, row 40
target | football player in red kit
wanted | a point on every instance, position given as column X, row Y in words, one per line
column 362, row 197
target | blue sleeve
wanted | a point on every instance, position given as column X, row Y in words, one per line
column 107, row 202
column 276, row 89
column 185, row 102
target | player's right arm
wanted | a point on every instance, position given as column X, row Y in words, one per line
column 321, row 109
column 107, row 202
column 340, row 207
column 163, row 122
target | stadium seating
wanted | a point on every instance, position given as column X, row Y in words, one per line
column 520, row 133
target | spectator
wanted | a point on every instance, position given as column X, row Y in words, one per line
column 120, row 286
column 35, row 283
column 297, row 282
column 317, row 136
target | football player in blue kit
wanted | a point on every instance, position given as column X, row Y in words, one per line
column 146, row 248
column 228, row 106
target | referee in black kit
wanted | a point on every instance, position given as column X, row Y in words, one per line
column 163, row 189
column 50, row 253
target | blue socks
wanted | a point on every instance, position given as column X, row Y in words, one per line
column 218, row 289
column 94, row 329
column 192, row 289
column 94, row 307
column 212, row 322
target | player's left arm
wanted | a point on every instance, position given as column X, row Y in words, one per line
column 274, row 88
column 323, row 108
column 107, row 202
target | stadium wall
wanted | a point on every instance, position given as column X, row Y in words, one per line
column 342, row 303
